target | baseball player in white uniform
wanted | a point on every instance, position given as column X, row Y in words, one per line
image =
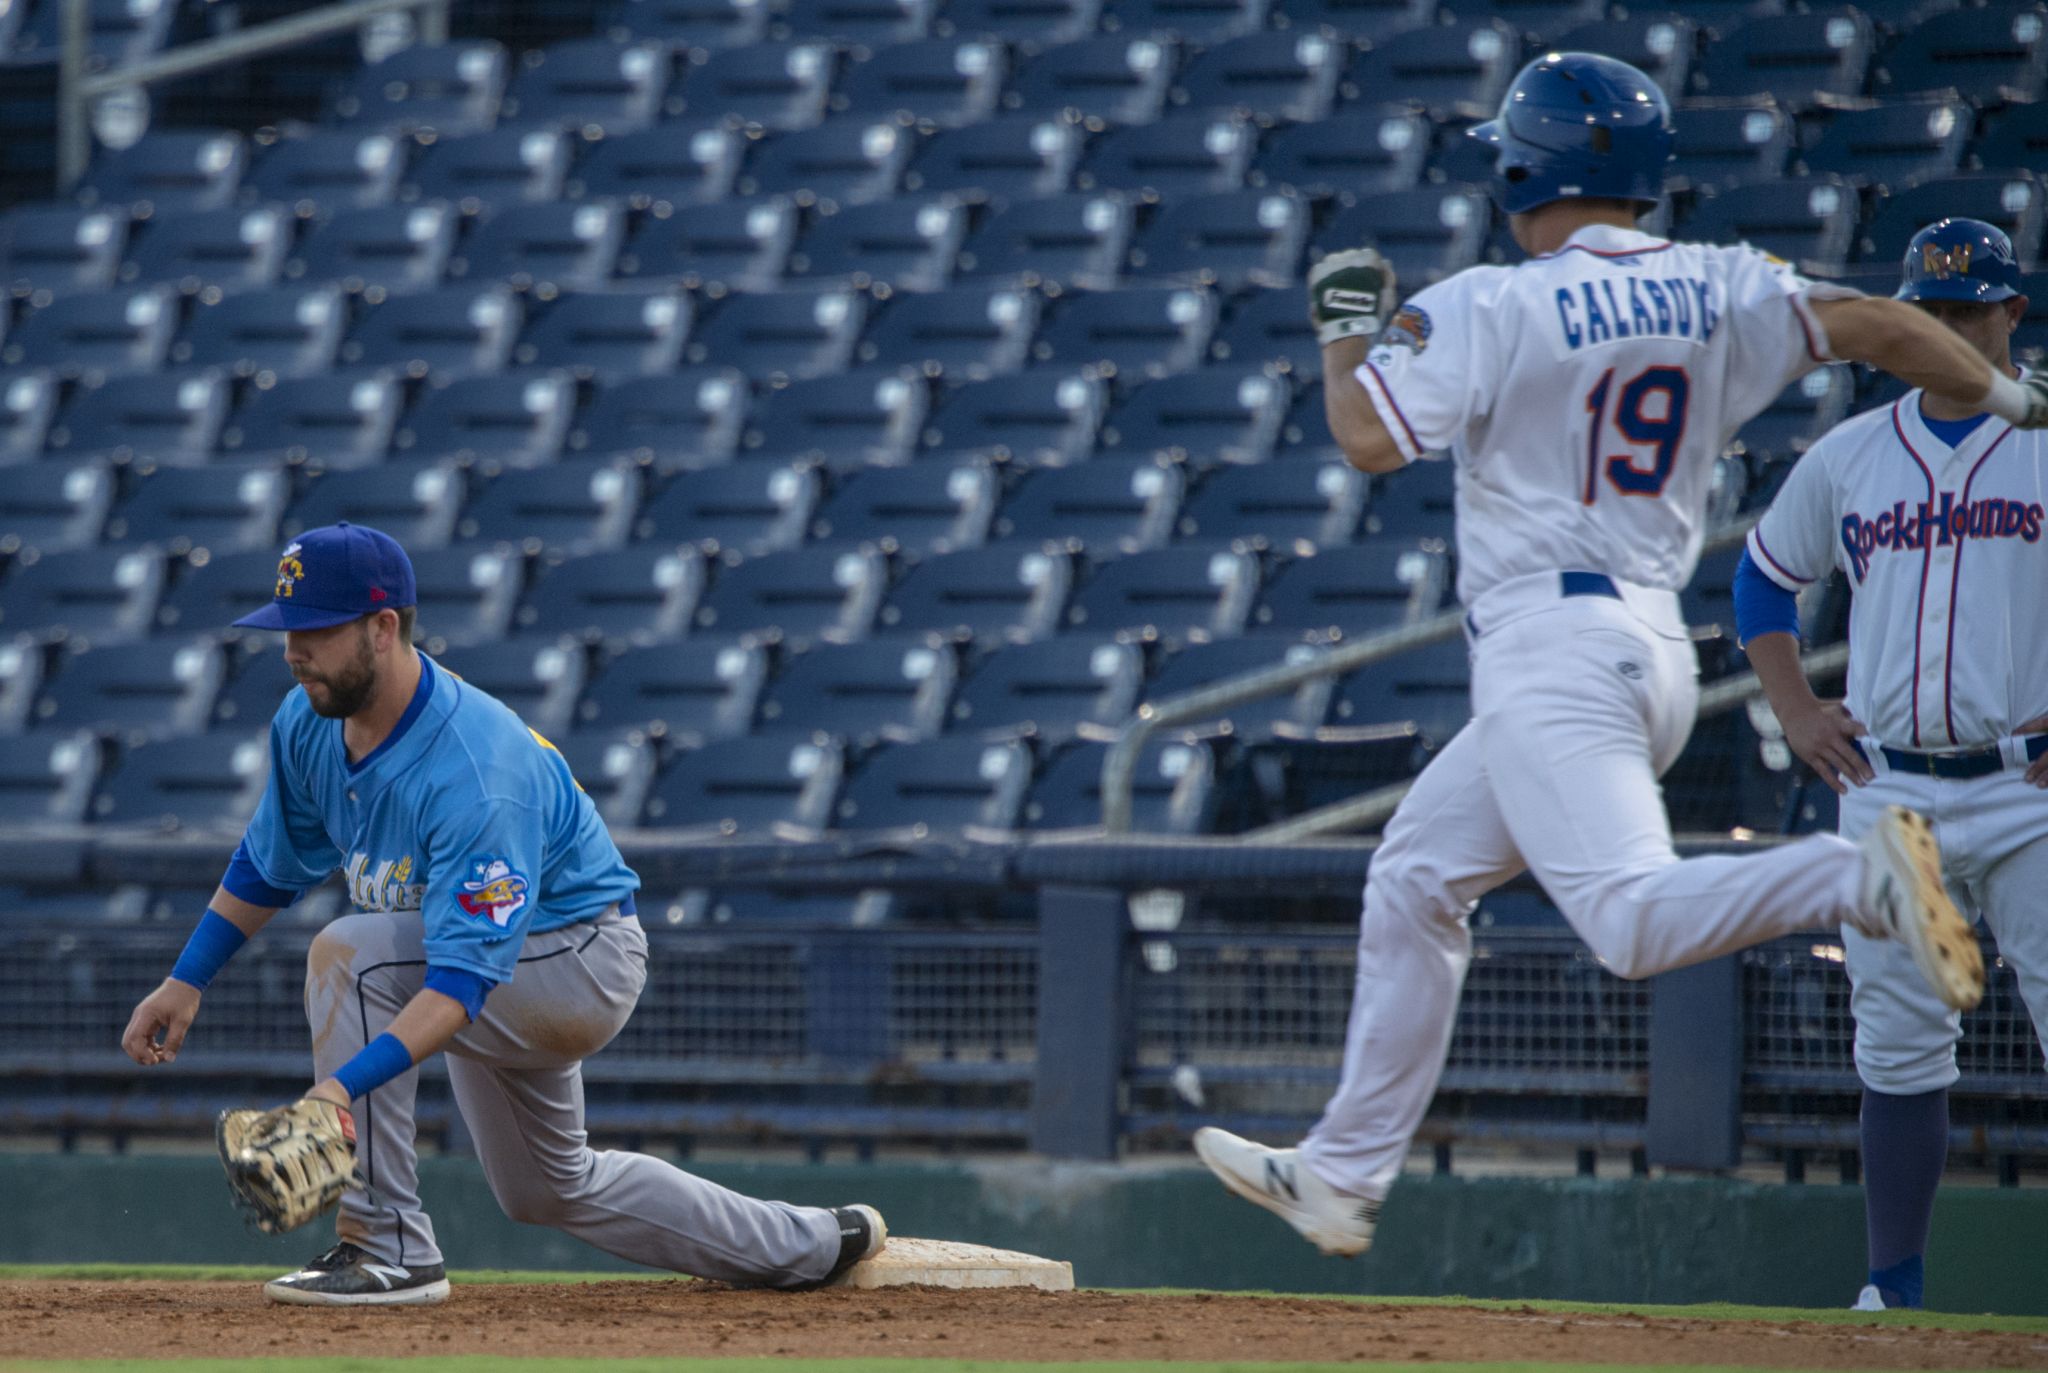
column 1934, row 512
column 1585, row 396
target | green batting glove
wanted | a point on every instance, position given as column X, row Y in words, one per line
column 1350, row 294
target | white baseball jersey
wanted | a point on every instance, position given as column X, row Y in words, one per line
column 1943, row 550
column 1586, row 394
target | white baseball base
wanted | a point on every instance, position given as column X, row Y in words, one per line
column 951, row 1263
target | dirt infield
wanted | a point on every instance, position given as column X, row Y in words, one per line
column 55, row 1319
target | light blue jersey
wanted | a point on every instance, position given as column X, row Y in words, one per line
column 463, row 814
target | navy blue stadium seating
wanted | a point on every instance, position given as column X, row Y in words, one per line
column 1370, row 585
column 1052, row 689
column 855, row 22
column 580, row 507
column 885, row 688
column 209, row 596
column 169, row 417
column 417, row 507
column 639, row 595
column 1797, row 59
column 615, row 770
column 1723, row 143
column 1290, row 506
column 1182, row 154
column 1024, row 23
column 1370, row 20
column 1225, row 413
column 764, row 85
column 329, row 170
column 1278, row 76
column 542, row 682
column 1173, row 790
column 102, row 334
column 593, row 85
column 1013, row 157
column 841, row 161
column 1894, row 142
column 1360, row 150
column 931, row 507
column 1450, row 70
column 450, row 88
column 1269, row 325
column 940, row 784
column 1660, row 43
column 691, row 24
column 935, row 83
column 153, row 689
column 745, row 508
column 1802, row 412
column 395, row 247
column 118, row 31
column 514, row 420
column 1046, row 415
column 1076, row 240
column 707, row 693
column 1426, row 689
column 750, row 786
column 498, row 168
column 88, row 594
column 1195, row 666
column 1011, row 591
column 173, row 170
column 28, row 401
column 961, row 333
column 549, row 247
column 286, row 332
column 2016, row 201
column 691, row 417
column 449, row 332
column 740, row 243
column 667, row 166
column 1193, row 21
column 191, row 782
column 21, row 678
column 608, row 335
column 1995, row 54
column 467, row 595
column 222, row 510
column 333, row 419
column 1109, row 506
column 1117, row 80
column 51, row 506
column 48, row 776
column 60, row 248
column 230, row 249
column 1233, row 239
column 1415, row 502
column 842, row 421
column 1185, row 592
column 1427, row 233
column 821, row 592
column 1132, row 333
column 1802, row 219
column 904, row 242
column 792, row 336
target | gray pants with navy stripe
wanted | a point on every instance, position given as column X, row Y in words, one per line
column 518, row 1081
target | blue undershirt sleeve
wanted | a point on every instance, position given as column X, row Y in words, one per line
column 1761, row 605
column 460, row 984
column 245, row 881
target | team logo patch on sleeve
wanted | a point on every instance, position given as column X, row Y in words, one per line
column 1409, row 328
column 494, row 892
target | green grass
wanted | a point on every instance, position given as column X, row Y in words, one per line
column 493, row 1364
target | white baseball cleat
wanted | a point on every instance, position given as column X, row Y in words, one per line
column 1904, row 899
column 1335, row 1222
column 1869, row 1299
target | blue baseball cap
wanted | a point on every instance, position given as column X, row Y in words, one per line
column 334, row 574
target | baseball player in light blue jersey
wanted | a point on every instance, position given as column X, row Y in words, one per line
column 495, row 921
column 1934, row 511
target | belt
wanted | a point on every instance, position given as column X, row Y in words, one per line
column 1568, row 584
column 1962, row 765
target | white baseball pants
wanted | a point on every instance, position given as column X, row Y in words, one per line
column 1579, row 705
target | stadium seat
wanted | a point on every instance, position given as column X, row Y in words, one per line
column 59, row 249
column 1708, row 603
column 1133, row 333
column 1231, row 239
column 1204, row 22
column 119, row 32
column 1042, row 416
column 331, row 420
column 208, row 597
column 854, row 23
column 2015, row 201
column 771, row 86
column 450, row 332
column 2016, row 136
column 691, row 24
column 1185, row 593
column 330, row 170
column 736, row 243
column 592, row 86
column 1802, row 219
column 1427, row 233
column 2030, row 339
column 769, row 337
column 391, row 247
column 48, row 777
column 1354, row 20
column 1119, row 81
column 1895, row 141
column 194, row 782
column 1658, row 43
column 890, row 688
column 1797, row 59
column 579, row 507
column 1016, row 157
column 104, row 334
column 1292, row 506
column 797, row 595
column 1305, row 432
column 1269, row 325
column 1361, row 151
column 842, row 161
column 220, row 510
column 22, row 667
column 467, row 595
column 1417, row 502
column 774, row 908
column 931, row 507
column 906, row 243
column 690, row 417
column 615, row 770
column 166, row 417
column 936, row 83
column 606, row 335
column 514, row 421
column 748, row 508
column 1026, row 25
column 1374, row 584
column 548, row 247
column 1173, row 789
column 28, row 401
column 943, row 784
column 450, row 88
column 1726, row 143
column 1802, row 412
column 152, row 689
column 1180, row 155
column 709, row 692
column 417, row 507
column 666, row 166
column 1225, row 413
column 1075, row 240
column 1454, row 70
column 89, row 594
column 499, row 168
column 1012, row 591
column 167, row 172
column 750, row 786
column 1426, row 689
column 964, row 333
column 1196, row 667
column 541, row 683
column 1053, row 689
column 1109, row 506
column 286, row 332
column 51, row 507
column 642, row 595
column 1284, row 75
column 1995, row 55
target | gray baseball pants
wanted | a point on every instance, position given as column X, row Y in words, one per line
column 518, row 1080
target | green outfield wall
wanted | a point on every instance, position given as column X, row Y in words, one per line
column 1663, row 1241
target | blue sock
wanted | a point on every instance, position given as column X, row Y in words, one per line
column 1905, row 1147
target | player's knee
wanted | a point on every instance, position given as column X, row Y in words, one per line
column 549, row 1197
column 535, row 1206
column 1407, row 889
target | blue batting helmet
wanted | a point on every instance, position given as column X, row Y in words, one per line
column 1575, row 125
column 1960, row 259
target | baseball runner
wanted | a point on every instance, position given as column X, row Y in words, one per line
column 1933, row 509
column 1584, row 396
column 496, row 922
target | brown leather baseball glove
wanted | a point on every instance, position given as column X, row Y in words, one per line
column 289, row 1164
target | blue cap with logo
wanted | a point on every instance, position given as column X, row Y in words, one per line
column 334, row 574
column 1960, row 259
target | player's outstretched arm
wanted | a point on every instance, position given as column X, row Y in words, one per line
column 1920, row 351
column 422, row 1028
column 1350, row 295
column 1354, row 423
column 1822, row 733
column 161, row 1020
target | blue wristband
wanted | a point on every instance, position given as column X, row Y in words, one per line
column 212, row 944
column 382, row 1059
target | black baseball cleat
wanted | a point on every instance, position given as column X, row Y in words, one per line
column 348, row 1276
column 862, row 1235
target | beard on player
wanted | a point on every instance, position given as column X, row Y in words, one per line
column 346, row 690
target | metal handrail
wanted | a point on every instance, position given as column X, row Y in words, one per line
column 76, row 90
column 1120, row 763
